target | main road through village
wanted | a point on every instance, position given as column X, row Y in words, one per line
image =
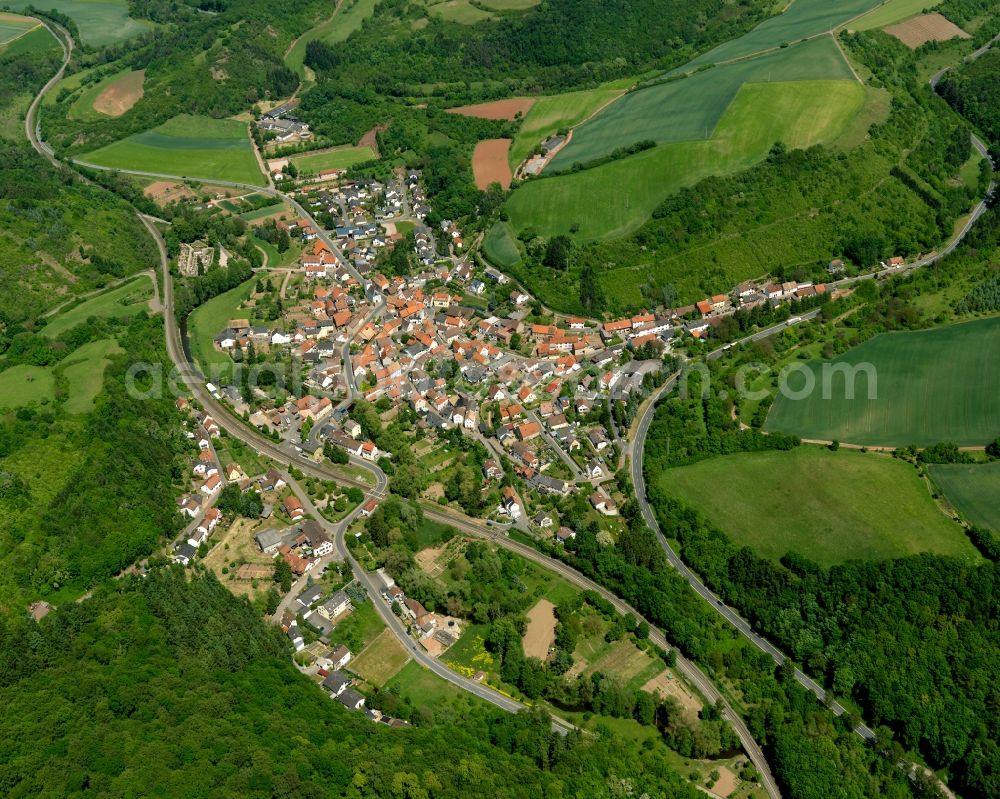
column 250, row 436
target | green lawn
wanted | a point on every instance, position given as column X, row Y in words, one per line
column 125, row 300
column 341, row 158
column 828, row 506
column 801, row 19
column 187, row 146
column 616, row 198
column 689, row 109
column 84, row 370
column 381, row 660
column 210, row 318
column 100, row 22
column 929, row 386
column 359, row 629
column 426, row 690
column 26, row 384
column 891, row 12
column 974, row 490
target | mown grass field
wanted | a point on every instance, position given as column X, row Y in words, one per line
column 689, row 109
column 551, row 114
column 801, row 19
column 188, row 146
column 25, row 384
column 210, row 318
column 125, row 300
column 100, row 22
column 828, row 506
column 84, row 370
column 889, row 13
column 930, row 386
column 616, row 198
column 381, row 660
column 341, row 158
column 974, row 490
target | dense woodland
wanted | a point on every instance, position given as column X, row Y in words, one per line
column 912, row 641
column 973, row 91
column 554, row 46
column 82, row 498
column 173, row 687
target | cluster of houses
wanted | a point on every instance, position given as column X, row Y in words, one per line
column 281, row 124
column 301, row 545
column 434, row 633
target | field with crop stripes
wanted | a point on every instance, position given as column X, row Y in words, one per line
column 190, row 146
column 617, row 197
column 928, row 386
column 973, row 488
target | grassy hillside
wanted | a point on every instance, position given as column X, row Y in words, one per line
column 688, row 109
column 612, row 200
column 930, row 386
column 554, row 113
column 186, row 145
column 974, row 490
column 889, row 13
column 59, row 238
column 828, row 506
column 800, row 19
column 100, row 22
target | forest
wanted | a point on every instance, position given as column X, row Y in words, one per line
column 972, row 90
column 216, row 64
column 51, row 216
column 913, row 641
column 554, row 46
column 173, row 687
column 84, row 497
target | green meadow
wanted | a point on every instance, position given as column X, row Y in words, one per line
column 341, row 158
column 100, row 22
column 828, row 506
column 928, row 386
column 689, row 109
column 973, row 488
column 187, row 146
column 554, row 113
column 889, row 13
column 125, row 300
column 617, row 197
column 801, row 19
column 13, row 26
